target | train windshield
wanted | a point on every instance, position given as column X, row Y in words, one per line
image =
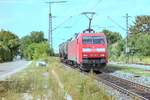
column 93, row 40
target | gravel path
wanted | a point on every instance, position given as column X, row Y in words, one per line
column 7, row 69
column 145, row 67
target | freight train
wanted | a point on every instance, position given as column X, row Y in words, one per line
column 86, row 51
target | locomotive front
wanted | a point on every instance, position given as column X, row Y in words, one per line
column 93, row 51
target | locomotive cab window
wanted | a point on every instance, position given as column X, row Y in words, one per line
column 98, row 40
column 93, row 40
column 87, row 40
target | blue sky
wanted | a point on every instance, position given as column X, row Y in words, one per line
column 24, row 16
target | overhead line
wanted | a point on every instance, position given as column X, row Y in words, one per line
column 96, row 5
column 62, row 23
column 116, row 23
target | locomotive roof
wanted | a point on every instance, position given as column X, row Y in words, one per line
column 82, row 34
column 91, row 34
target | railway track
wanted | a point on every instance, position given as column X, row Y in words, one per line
column 134, row 90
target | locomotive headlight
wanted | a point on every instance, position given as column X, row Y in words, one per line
column 85, row 55
column 86, row 49
column 102, row 55
column 100, row 49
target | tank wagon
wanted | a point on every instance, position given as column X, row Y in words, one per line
column 86, row 51
column 63, row 50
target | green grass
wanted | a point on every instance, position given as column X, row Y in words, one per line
column 136, row 71
column 39, row 86
column 29, row 81
column 132, row 59
column 80, row 87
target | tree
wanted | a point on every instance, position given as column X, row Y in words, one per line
column 115, row 44
column 141, row 25
column 116, row 49
column 37, row 37
column 9, row 45
column 25, row 41
column 112, row 37
column 35, row 46
column 139, row 38
column 140, row 42
column 37, row 50
column 5, row 54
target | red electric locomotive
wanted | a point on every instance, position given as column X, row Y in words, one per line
column 86, row 50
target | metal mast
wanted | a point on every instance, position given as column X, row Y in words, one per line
column 127, row 35
column 50, row 35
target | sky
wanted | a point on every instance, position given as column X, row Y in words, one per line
column 24, row 16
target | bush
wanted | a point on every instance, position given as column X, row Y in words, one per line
column 116, row 50
column 36, row 51
column 9, row 45
column 140, row 42
column 5, row 54
column 35, row 46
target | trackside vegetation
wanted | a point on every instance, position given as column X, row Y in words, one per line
column 37, row 82
column 9, row 45
column 126, row 69
column 35, row 46
column 138, row 42
column 30, row 47
column 27, row 47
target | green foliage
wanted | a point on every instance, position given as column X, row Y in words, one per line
column 25, row 42
column 37, row 50
column 35, row 46
column 37, row 37
column 30, row 47
column 140, row 43
column 115, row 44
column 139, row 38
column 141, row 25
column 9, row 45
column 5, row 54
column 112, row 37
column 116, row 50
column 127, row 69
